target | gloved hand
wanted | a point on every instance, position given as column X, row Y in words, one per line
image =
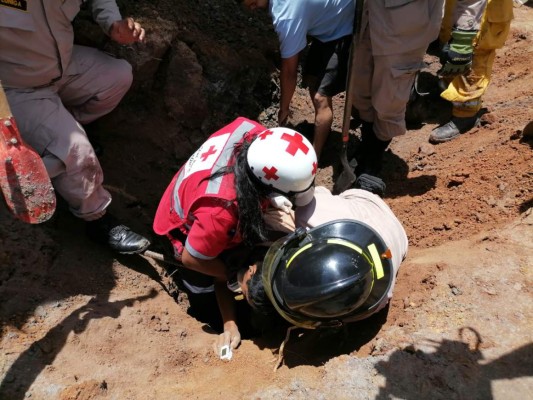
column 231, row 337
column 456, row 56
column 280, row 202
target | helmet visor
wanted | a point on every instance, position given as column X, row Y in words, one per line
column 272, row 261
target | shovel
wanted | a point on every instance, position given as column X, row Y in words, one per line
column 347, row 177
column 24, row 182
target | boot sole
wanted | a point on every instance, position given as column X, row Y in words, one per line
column 139, row 251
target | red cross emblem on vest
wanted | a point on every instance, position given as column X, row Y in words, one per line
column 208, row 153
column 265, row 134
column 295, row 143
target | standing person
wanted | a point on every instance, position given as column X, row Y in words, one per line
column 216, row 201
column 340, row 266
column 54, row 86
column 471, row 32
column 394, row 37
column 329, row 23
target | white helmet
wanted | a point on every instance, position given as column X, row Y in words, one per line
column 284, row 160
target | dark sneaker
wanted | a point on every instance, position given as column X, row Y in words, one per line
column 107, row 230
column 453, row 129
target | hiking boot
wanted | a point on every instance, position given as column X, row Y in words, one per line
column 453, row 129
column 107, row 230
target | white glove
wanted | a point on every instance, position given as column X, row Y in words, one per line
column 229, row 339
column 280, row 202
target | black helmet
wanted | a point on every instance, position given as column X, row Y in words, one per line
column 337, row 272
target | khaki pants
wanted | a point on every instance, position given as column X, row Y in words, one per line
column 394, row 39
column 382, row 87
column 50, row 121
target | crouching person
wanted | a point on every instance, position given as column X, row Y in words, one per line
column 216, row 202
column 338, row 265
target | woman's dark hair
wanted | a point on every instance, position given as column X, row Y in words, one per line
column 256, row 293
column 250, row 193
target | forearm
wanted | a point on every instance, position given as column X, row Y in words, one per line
column 225, row 302
column 288, row 77
column 105, row 12
column 468, row 13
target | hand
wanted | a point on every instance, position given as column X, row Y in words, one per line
column 231, row 337
column 126, row 31
column 280, row 202
column 456, row 56
column 283, row 117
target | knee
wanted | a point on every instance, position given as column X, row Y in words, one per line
column 122, row 74
column 321, row 103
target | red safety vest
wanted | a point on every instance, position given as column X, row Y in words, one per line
column 190, row 184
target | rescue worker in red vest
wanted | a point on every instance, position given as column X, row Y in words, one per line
column 394, row 37
column 54, row 87
column 338, row 265
column 216, row 202
column 471, row 32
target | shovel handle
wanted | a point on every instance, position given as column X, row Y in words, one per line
column 350, row 82
column 5, row 111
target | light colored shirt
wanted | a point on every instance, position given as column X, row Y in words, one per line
column 37, row 38
column 325, row 20
column 355, row 204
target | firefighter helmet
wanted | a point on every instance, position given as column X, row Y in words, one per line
column 335, row 273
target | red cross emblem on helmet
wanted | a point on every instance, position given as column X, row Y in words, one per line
column 284, row 159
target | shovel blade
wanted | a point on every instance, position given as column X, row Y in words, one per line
column 24, row 182
column 347, row 177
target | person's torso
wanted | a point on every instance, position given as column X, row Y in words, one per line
column 193, row 183
column 324, row 20
column 358, row 205
column 36, row 40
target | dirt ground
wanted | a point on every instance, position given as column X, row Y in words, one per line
column 80, row 323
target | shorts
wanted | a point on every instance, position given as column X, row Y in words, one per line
column 326, row 66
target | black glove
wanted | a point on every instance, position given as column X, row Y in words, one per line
column 456, row 55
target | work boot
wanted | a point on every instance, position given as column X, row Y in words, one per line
column 109, row 231
column 455, row 127
column 371, row 151
column 370, row 160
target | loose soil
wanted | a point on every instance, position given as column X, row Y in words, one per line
column 79, row 322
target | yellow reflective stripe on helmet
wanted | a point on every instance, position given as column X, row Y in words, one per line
column 345, row 243
column 376, row 259
column 298, row 252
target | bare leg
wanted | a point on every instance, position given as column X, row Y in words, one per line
column 323, row 120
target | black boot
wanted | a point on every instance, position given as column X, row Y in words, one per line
column 453, row 129
column 370, row 160
column 109, row 231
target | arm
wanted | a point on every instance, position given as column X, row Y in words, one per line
column 456, row 57
column 468, row 13
column 216, row 268
column 288, row 77
column 122, row 31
